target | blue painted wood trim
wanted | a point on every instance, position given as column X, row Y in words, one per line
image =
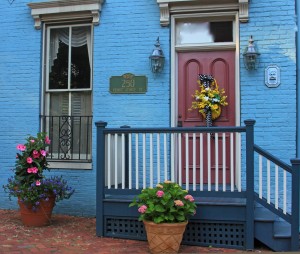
column 272, row 158
column 271, row 207
column 295, row 204
column 100, row 177
column 204, row 193
column 174, row 130
column 250, row 183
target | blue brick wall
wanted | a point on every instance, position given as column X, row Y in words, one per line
column 273, row 27
column 122, row 43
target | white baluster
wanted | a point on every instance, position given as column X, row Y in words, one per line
column 158, row 157
column 216, row 162
column 260, row 176
column 151, row 160
column 268, row 182
column 231, row 162
column 208, row 162
column 130, row 160
column 123, row 160
column 284, row 191
column 187, row 160
column 194, row 161
column 116, row 160
column 137, row 161
column 165, row 157
column 179, row 159
column 144, row 161
column 109, row 161
column 201, row 161
column 224, row 160
column 276, row 186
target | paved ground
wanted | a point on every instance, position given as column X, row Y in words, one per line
column 68, row 234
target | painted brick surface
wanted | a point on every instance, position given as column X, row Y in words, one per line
column 273, row 28
column 122, row 44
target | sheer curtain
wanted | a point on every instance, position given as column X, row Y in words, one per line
column 79, row 36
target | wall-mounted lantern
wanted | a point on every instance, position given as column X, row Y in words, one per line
column 251, row 56
column 157, row 59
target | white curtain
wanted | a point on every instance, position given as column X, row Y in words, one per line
column 80, row 36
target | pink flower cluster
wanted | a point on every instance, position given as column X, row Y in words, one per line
column 21, row 147
column 178, row 203
column 32, row 170
column 47, row 140
column 189, row 198
column 142, row 209
column 159, row 193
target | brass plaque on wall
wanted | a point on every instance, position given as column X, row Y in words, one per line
column 128, row 83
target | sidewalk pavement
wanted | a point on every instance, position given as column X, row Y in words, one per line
column 75, row 235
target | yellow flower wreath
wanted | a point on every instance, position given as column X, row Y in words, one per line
column 209, row 98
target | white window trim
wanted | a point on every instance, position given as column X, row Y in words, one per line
column 168, row 7
column 65, row 10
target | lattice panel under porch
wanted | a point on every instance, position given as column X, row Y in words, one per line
column 124, row 228
column 215, row 234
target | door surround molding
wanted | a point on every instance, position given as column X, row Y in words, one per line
column 203, row 47
column 170, row 7
column 235, row 45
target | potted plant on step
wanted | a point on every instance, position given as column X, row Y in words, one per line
column 36, row 193
column 165, row 211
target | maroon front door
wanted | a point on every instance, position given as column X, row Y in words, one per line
column 221, row 65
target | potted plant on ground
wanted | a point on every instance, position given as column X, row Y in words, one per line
column 36, row 193
column 165, row 211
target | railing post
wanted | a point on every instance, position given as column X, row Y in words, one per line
column 100, row 177
column 295, row 204
column 250, row 183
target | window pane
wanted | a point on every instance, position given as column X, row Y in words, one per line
column 58, row 58
column 203, row 32
column 80, row 66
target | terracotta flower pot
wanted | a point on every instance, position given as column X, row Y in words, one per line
column 39, row 217
column 164, row 237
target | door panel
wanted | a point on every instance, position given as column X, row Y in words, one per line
column 221, row 65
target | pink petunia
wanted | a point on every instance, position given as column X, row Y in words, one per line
column 178, row 203
column 21, row 147
column 47, row 140
column 189, row 198
column 32, row 140
column 159, row 193
column 142, row 209
column 32, row 170
column 35, row 154
column 37, row 183
column 29, row 160
column 43, row 153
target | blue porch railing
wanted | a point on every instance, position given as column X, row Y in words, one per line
column 129, row 159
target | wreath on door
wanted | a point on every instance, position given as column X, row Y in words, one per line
column 209, row 99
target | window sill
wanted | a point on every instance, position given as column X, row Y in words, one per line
column 70, row 165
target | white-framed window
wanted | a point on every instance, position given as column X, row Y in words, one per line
column 67, row 97
column 66, row 100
